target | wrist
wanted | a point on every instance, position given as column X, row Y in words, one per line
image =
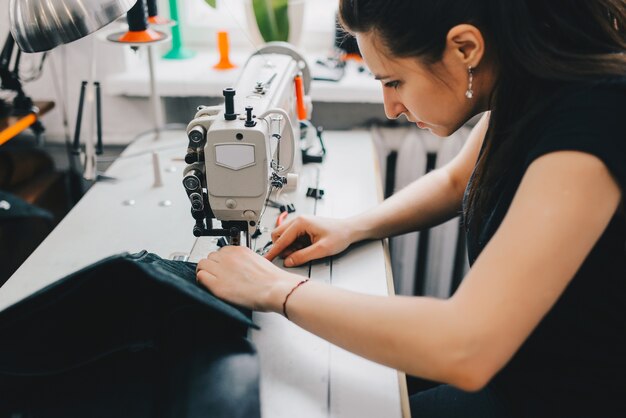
column 357, row 229
column 279, row 291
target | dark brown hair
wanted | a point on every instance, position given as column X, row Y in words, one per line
column 537, row 45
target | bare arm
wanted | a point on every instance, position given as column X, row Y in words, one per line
column 465, row 340
column 515, row 281
column 429, row 200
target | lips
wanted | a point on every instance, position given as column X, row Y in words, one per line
column 421, row 125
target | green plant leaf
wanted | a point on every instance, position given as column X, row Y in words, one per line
column 211, row 3
column 272, row 19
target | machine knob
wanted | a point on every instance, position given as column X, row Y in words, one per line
column 249, row 122
column 196, row 202
column 192, row 182
column 191, row 157
column 197, row 135
column 229, row 96
column 194, row 157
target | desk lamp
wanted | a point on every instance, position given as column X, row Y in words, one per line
column 140, row 34
column 41, row 25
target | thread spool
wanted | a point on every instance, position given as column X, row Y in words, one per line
column 223, row 47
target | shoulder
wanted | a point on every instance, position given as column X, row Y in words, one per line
column 603, row 99
column 586, row 117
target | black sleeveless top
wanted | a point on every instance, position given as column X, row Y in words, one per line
column 574, row 363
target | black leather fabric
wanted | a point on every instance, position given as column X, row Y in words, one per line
column 22, row 228
column 12, row 208
column 130, row 336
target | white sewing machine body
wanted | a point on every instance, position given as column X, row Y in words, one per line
column 240, row 152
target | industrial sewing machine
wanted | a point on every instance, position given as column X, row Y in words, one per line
column 242, row 152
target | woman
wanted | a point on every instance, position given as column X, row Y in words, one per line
column 538, row 326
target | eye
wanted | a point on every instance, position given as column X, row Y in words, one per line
column 392, row 84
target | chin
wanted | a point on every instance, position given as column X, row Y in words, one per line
column 441, row 131
column 446, row 131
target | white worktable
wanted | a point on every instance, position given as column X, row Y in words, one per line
column 301, row 374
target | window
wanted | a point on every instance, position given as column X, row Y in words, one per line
column 200, row 23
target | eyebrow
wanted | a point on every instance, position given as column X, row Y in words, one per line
column 381, row 77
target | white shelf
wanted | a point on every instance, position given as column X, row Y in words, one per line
column 196, row 77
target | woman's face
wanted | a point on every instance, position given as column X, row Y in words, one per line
column 433, row 97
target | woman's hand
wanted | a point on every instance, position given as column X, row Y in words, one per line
column 308, row 238
column 238, row 275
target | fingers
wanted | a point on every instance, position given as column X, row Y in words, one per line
column 284, row 240
column 205, row 278
column 204, row 264
column 305, row 255
column 300, row 243
column 289, row 251
column 277, row 232
column 205, row 269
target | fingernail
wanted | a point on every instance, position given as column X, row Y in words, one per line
column 289, row 262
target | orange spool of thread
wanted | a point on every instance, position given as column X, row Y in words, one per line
column 159, row 21
column 153, row 15
column 140, row 37
column 224, row 50
column 138, row 30
column 301, row 107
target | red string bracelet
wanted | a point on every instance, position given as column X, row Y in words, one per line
column 289, row 294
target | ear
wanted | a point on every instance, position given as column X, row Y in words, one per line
column 466, row 44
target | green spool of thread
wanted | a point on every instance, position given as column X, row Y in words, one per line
column 178, row 51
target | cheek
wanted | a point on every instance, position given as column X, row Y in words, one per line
column 438, row 107
column 424, row 100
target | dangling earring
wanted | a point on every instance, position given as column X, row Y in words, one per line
column 470, row 88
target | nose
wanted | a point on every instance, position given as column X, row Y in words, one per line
column 393, row 106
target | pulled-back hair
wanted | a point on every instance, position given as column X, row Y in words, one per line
column 536, row 45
